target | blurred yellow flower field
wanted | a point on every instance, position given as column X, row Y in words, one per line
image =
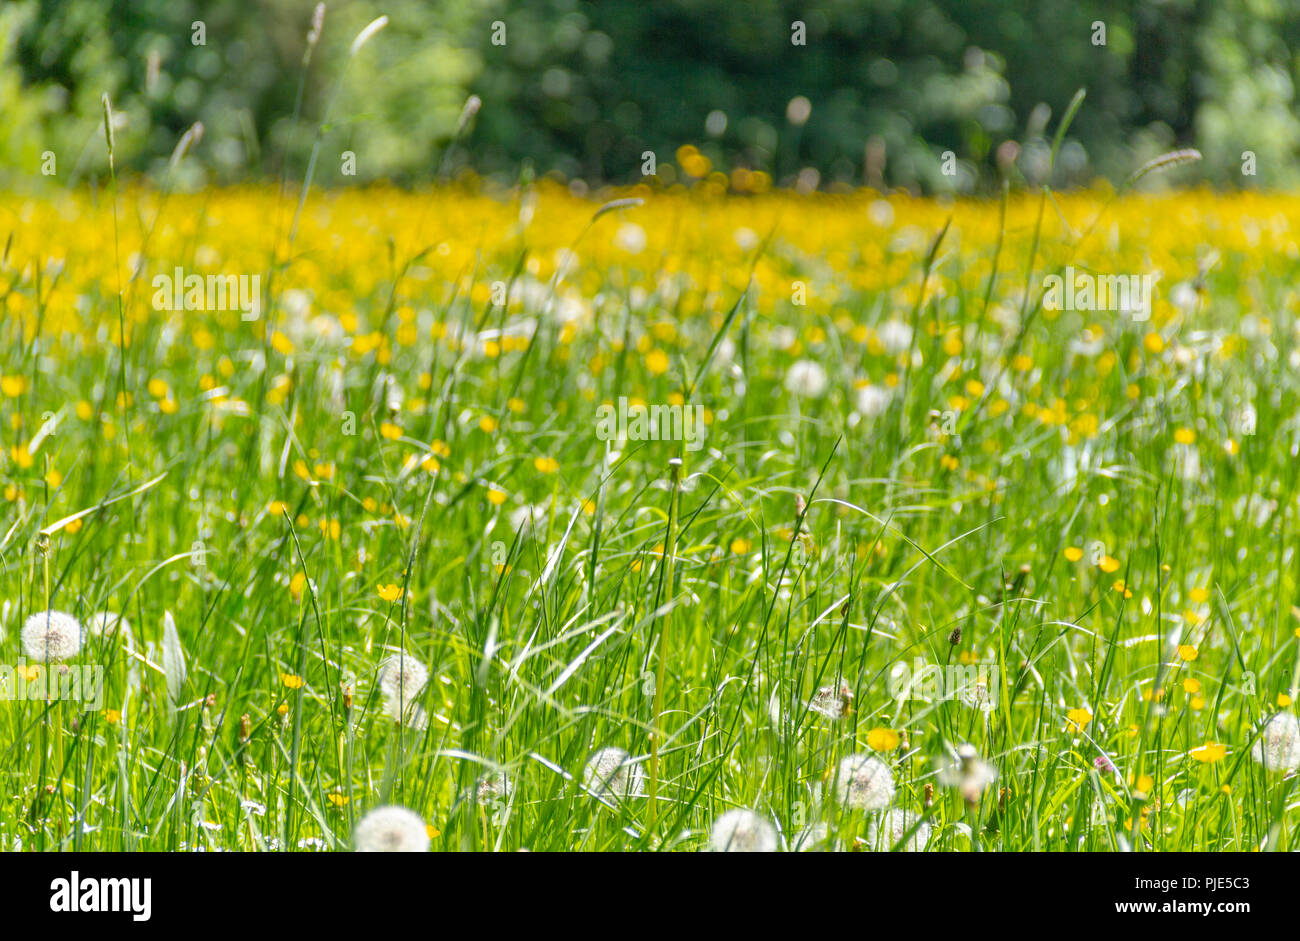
column 953, row 566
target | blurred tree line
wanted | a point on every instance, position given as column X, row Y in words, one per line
column 929, row 94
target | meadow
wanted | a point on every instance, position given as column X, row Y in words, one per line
column 371, row 547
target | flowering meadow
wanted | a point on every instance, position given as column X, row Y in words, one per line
column 357, row 565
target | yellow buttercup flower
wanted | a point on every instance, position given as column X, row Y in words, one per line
column 882, row 739
column 1208, row 753
column 296, row 585
column 1079, row 718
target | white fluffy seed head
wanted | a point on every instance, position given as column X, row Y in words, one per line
column 401, row 677
column 52, row 636
column 833, row 702
column 610, row 774
column 872, row 401
column 864, row 782
column 895, row 336
column 492, row 788
column 106, row 622
column 806, row 378
column 742, row 831
column 815, row 838
column 391, row 829
column 886, row 833
column 1278, row 746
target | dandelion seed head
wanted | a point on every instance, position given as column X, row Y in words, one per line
column 527, row 516
column 895, row 336
column 815, row 838
column 742, row 831
column 885, row 833
column 391, row 829
column 51, row 635
column 1278, row 746
column 833, row 702
column 806, row 378
column 864, row 782
column 872, row 401
column 492, row 787
column 401, row 677
column 106, row 622
column 970, row 774
column 610, row 773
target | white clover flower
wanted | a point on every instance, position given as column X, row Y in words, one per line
column 51, row 635
column 742, row 831
column 1278, row 746
column 833, row 702
column 610, row 773
column 106, row 622
column 872, row 401
column 806, row 378
column 864, row 782
column 391, row 829
column 895, row 336
column 886, row 833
